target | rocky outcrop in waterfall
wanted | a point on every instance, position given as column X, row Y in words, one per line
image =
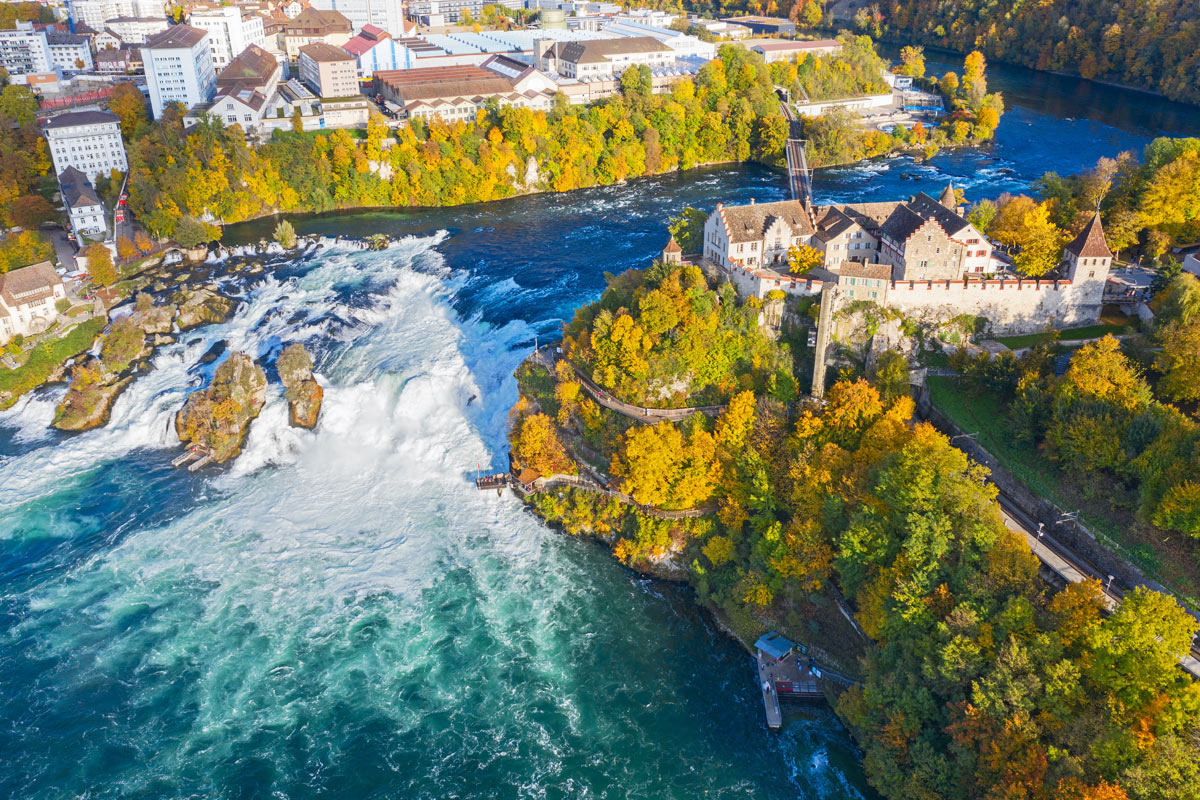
column 304, row 394
column 218, row 418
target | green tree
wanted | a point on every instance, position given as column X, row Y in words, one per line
column 191, row 232
column 100, row 264
column 285, row 234
column 128, row 103
column 687, row 229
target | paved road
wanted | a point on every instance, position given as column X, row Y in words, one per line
column 1071, row 567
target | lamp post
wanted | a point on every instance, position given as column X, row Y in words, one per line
column 1041, row 531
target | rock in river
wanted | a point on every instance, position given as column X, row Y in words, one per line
column 304, row 394
column 201, row 306
column 218, row 418
column 90, row 398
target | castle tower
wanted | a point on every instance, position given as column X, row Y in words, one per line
column 672, row 253
column 1087, row 259
column 949, row 199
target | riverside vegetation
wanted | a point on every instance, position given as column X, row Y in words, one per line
column 978, row 680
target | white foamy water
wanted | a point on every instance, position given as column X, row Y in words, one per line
column 340, row 610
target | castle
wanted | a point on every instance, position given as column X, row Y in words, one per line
column 920, row 256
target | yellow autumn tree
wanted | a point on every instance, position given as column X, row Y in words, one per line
column 537, row 447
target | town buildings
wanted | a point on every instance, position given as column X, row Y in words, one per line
column 604, row 59
column 327, row 70
column 118, row 62
column 768, row 26
column 179, row 68
column 787, row 50
column 131, row 30
column 245, row 88
column 96, row 13
column 27, row 300
column 230, row 31
column 24, row 50
column 919, row 256
column 387, row 15
column 83, row 205
column 89, row 141
column 457, row 93
column 311, row 26
column 70, row 51
column 442, row 12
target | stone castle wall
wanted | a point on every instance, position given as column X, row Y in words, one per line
column 1011, row 306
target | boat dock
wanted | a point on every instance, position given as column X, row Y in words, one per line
column 497, row 481
column 785, row 675
column 196, row 457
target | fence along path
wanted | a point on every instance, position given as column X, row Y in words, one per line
column 546, row 357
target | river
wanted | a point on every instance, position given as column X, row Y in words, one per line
column 340, row 613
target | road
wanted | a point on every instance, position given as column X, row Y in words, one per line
column 1071, row 567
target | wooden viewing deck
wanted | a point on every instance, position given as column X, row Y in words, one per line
column 790, row 680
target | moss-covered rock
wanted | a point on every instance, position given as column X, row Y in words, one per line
column 123, row 346
column 203, row 306
column 304, row 403
column 218, row 418
column 294, row 365
column 90, row 397
column 304, row 394
column 151, row 318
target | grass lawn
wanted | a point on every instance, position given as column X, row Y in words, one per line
column 1168, row 559
column 1086, row 332
column 46, row 357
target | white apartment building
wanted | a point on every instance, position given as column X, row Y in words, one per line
column 230, row 31
column 89, row 141
column 604, row 59
column 385, row 14
column 24, row 50
column 94, row 13
column 134, row 30
column 70, row 51
column 83, row 204
column 27, row 300
column 179, row 68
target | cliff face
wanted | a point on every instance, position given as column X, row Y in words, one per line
column 304, row 394
column 218, row 417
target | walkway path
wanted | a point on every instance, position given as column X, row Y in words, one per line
column 589, row 485
column 547, row 356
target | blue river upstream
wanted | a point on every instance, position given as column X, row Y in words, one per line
column 339, row 613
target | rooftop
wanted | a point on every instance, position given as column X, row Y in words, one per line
column 176, row 37
column 1090, row 243
column 77, row 190
column 73, row 119
column 252, row 67
column 788, row 46
column 749, row 223
column 599, row 50
column 24, row 285
column 312, row 19
column 324, row 52
column 852, row 269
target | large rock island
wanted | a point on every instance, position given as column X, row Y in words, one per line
column 304, row 394
column 217, row 419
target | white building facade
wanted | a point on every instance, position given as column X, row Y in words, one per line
column 70, row 51
column 179, row 68
column 83, row 204
column 94, row 13
column 386, row 14
column 134, row 30
column 24, row 50
column 229, row 32
column 89, row 141
column 28, row 297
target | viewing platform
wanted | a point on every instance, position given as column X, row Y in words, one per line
column 785, row 675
